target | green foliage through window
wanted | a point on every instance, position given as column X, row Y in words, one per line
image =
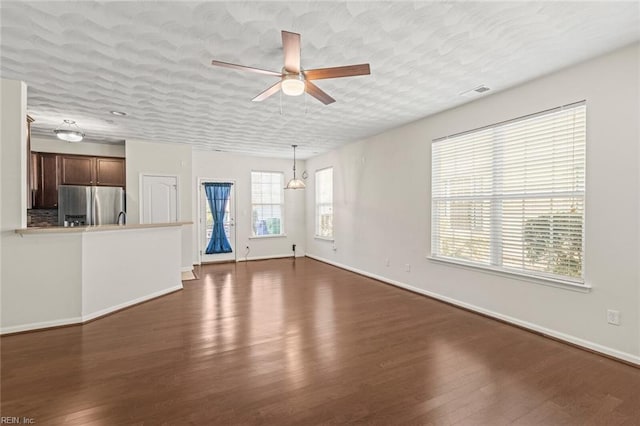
column 555, row 241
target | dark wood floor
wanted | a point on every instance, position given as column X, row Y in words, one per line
column 301, row 342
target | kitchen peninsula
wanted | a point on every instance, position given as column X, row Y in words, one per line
column 57, row 276
column 104, row 269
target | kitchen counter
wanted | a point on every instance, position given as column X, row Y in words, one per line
column 76, row 274
column 96, row 228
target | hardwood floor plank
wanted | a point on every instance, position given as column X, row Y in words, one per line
column 288, row 341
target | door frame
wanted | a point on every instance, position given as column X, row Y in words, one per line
column 201, row 181
column 141, row 193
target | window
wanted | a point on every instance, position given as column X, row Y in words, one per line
column 324, row 203
column 511, row 196
column 267, row 200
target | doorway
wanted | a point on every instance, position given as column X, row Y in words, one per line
column 159, row 199
column 217, row 222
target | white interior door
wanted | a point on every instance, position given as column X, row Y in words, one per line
column 207, row 222
column 159, row 199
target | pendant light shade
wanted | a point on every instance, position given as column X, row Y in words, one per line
column 295, row 183
column 69, row 131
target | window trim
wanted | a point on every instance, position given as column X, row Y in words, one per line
column 261, row 237
column 488, row 269
column 282, row 204
column 316, row 205
column 579, row 283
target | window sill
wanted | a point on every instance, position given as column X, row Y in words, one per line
column 260, row 237
column 552, row 282
column 318, row 237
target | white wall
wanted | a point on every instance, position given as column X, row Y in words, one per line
column 48, row 292
column 122, row 267
column 53, row 144
column 164, row 159
column 382, row 208
column 41, row 281
column 238, row 168
column 13, row 108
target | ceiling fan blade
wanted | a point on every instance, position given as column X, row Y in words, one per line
column 243, row 68
column 291, row 46
column 270, row 91
column 317, row 93
column 336, row 72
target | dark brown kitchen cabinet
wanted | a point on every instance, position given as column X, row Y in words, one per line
column 110, row 171
column 47, row 190
column 49, row 170
column 77, row 170
column 84, row 170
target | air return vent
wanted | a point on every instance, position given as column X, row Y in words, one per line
column 475, row 91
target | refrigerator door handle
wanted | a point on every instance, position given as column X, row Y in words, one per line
column 94, row 211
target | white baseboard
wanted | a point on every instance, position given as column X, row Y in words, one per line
column 39, row 325
column 88, row 317
column 250, row 258
column 186, row 269
column 110, row 309
column 625, row 356
column 273, row 256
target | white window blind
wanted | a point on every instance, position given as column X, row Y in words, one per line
column 324, row 203
column 511, row 196
column 267, row 203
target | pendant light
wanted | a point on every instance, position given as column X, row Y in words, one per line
column 295, row 183
column 69, row 131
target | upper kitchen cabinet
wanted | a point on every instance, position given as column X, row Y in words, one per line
column 47, row 180
column 84, row 170
column 77, row 170
column 110, row 171
column 49, row 170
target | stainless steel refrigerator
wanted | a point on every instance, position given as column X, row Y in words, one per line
column 89, row 205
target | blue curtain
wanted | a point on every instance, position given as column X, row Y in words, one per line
column 218, row 195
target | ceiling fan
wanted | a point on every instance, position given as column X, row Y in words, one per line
column 294, row 80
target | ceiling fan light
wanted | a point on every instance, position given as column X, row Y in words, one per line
column 292, row 85
column 68, row 133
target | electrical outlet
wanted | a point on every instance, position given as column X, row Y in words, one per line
column 387, row 262
column 613, row 317
column 407, row 267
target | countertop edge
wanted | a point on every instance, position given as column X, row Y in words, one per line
column 98, row 228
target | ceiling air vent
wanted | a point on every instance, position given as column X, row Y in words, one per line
column 476, row 90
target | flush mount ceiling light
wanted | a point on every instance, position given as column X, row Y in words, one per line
column 69, row 131
column 118, row 113
column 293, row 85
column 295, row 183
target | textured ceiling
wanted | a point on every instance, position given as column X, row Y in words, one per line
column 152, row 60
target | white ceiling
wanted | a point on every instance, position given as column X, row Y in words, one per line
column 152, row 60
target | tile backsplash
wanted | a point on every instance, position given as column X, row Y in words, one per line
column 42, row 217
